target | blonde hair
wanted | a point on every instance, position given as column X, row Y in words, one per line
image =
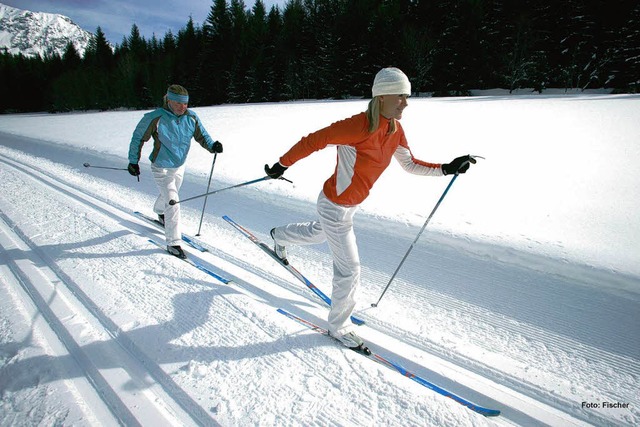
column 177, row 89
column 373, row 116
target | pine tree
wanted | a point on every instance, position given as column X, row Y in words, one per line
column 274, row 56
column 625, row 64
column 237, row 89
column 187, row 61
column 456, row 58
column 575, row 29
column 99, row 53
column 295, row 44
column 71, row 57
column 256, row 81
column 360, row 44
column 216, row 53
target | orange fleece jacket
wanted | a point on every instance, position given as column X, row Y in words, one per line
column 361, row 156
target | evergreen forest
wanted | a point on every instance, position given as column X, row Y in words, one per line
column 331, row 49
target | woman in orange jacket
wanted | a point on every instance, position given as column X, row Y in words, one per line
column 365, row 144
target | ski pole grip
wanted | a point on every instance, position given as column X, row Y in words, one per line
column 172, row 202
column 472, row 159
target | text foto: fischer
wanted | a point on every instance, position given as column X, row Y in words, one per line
column 605, row 405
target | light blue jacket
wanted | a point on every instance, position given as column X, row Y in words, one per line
column 171, row 137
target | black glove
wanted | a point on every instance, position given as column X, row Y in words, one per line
column 458, row 165
column 216, row 147
column 275, row 171
column 133, row 169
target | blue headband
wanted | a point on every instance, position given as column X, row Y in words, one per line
column 183, row 99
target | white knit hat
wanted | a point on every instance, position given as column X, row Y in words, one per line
column 391, row 81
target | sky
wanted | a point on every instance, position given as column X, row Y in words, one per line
column 116, row 17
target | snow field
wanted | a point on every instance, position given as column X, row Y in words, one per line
column 522, row 293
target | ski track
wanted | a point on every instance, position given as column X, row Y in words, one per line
column 229, row 375
column 235, row 381
column 128, row 356
column 591, row 365
column 28, row 339
column 101, row 236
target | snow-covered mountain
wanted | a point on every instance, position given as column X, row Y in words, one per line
column 36, row 33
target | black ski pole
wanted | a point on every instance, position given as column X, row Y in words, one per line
column 204, row 205
column 264, row 178
column 455, row 176
column 87, row 165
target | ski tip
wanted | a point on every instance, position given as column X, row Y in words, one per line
column 484, row 411
column 357, row 321
column 487, row 412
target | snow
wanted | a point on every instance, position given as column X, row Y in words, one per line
column 522, row 294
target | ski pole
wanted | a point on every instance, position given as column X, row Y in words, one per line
column 87, row 165
column 455, row 176
column 264, row 178
column 415, row 240
column 204, row 205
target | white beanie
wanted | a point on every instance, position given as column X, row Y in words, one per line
column 391, row 81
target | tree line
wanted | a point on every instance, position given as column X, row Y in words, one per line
column 331, row 49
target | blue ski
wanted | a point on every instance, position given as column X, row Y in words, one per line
column 187, row 239
column 398, row 368
column 291, row 269
column 197, row 265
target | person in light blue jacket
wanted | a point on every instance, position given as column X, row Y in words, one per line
column 172, row 127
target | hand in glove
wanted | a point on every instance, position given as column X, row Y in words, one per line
column 216, row 147
column 275, row 171
column 458, row 165
column 133, row 169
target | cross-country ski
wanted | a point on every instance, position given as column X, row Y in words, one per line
column 195, row 264
column 396, row 367
column 185, row 237
column 287, row 266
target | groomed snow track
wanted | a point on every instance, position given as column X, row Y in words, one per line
column 120, row 379
column 134, row 388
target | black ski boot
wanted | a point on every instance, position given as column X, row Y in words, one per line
column 176, row 251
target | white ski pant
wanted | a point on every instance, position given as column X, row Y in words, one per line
column 336, row 227
column 169, row 181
